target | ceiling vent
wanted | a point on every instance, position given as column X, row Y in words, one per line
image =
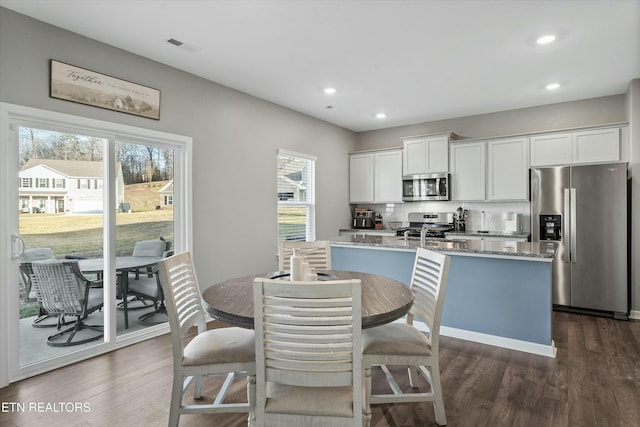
column 175, row 42
column 181, row 45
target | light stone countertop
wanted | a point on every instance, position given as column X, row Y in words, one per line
column 520, row 235
column 540, row 251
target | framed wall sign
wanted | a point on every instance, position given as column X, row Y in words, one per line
column 84, row 86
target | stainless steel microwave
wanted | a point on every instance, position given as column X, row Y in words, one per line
column 434, row 186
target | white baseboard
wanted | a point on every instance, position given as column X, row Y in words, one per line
column 635, row 314
column 509, row 343
column 497, row 341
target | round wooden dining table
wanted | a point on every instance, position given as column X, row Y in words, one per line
column 383, row 299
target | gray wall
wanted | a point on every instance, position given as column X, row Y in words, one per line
column 235, row 138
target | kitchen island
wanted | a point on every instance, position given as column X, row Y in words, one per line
column 498, row 292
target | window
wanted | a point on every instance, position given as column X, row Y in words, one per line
column 59, row 182
column 25, row 182
column 296, row 196
column 42, row 183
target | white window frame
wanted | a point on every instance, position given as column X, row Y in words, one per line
column 310, row 202
column 11, row 117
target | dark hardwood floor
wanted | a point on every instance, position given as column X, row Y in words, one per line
column 594, row 381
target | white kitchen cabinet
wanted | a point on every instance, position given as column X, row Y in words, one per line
column 551, row 149
column 361, row 178
column 468, row 170
column 388, row 176
column 508, row 169
column 375, row 177
column 589, row 146
column 593, row 146
column 426, row 154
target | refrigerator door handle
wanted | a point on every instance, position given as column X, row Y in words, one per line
column 566, row 227
column 573, row 243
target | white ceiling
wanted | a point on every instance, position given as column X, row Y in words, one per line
column 416, row 61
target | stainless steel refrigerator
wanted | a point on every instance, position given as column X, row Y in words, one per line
column 584, row 208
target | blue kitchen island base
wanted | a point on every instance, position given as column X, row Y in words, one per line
column 501, row 301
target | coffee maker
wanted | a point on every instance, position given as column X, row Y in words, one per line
column 363, row 218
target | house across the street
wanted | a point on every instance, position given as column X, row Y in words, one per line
column 63, row 186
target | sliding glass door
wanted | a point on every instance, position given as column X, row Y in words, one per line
column 61, row 216
column 144, row 225
column 99, row 194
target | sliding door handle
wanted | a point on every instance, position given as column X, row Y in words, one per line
column 17, row 246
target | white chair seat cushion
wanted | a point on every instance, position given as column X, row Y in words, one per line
column 145, row 285
column 399, row 339
column 316, row 401
column 218, row 346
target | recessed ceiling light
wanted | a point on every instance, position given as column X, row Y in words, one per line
column 552, row 86
column 549, row 38
column 381, row 115
column 330, row 90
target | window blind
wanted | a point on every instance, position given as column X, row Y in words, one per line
column 296, row 196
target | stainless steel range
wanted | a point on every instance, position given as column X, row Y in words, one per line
column 436, row 224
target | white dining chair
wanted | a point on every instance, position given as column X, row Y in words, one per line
column 402, row 344
column 223, row 351
column 308, row 358
column 317, row 254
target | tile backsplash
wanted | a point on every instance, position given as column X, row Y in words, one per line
column 494, row 212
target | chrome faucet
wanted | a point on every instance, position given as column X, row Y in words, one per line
column 423, row 235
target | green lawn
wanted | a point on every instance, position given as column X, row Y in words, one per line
column 291, row 221
column 83, row 234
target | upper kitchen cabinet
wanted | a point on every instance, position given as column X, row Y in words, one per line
column 468, row 170
column 552, row 149
column 375, row 177
column 589, row 146
column 425, row 154
column 493, row 170
column 361, row 177
column 388, row 176
column 593, row 146
column 508, row 169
